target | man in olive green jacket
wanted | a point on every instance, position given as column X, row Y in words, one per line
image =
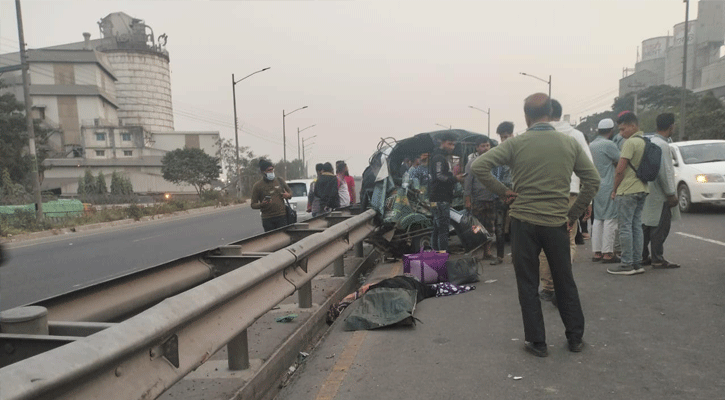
column 542, row 161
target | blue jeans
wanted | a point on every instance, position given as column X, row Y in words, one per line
column 441, row 222
column 629, row 210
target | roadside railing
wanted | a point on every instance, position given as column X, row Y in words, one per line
column 144, row 355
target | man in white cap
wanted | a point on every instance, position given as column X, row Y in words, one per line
column 606, row 155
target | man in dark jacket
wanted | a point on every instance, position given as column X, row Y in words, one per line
column 440, row 189
column 326, row 189
column 268, row 195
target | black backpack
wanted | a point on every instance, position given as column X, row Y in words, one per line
column 649, row 167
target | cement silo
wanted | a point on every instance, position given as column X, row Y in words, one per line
column 141, row 64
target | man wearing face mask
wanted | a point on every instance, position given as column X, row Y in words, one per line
column 268, row 195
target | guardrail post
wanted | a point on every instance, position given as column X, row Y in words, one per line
column 339, row 266
column 359, row 249
column 238, row 352
column 30, row 320
column 304, row 293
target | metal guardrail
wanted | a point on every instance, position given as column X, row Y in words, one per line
column 143, row 356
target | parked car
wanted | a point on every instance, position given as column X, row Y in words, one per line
column 300, row 189
column 699, row 172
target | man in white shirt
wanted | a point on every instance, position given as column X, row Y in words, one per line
column 547, row 283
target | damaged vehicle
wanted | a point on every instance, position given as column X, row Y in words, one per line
column 398, row 190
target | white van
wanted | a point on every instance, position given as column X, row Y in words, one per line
column 300, row 189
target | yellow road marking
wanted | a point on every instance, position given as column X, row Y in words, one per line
column 332, row 384
column 329, row 389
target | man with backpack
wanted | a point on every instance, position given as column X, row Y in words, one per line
column 630, row 192
column 660, row 207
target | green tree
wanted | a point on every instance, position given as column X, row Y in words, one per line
column 14, row 141
column 116, row 184
column 81, row 186
column 190, row 166
column 101, row 184
column 127, row 186
column 248, row 164
column 89, row 183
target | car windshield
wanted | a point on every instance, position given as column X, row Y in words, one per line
column 299, row 189
column 703, row 153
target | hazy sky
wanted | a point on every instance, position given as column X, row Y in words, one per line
column 370, row 69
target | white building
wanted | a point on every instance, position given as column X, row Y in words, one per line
column 108, row 105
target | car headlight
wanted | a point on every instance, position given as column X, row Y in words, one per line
column 708, row 178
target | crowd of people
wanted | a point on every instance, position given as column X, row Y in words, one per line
column 546, row 180
column 331, row 189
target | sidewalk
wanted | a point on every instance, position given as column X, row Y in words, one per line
column 654, row 336
column 122, row 222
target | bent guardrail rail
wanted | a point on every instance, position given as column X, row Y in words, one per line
column 143, row 356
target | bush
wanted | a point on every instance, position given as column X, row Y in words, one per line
column 135, row 212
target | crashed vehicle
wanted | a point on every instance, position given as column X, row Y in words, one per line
column 404, row 219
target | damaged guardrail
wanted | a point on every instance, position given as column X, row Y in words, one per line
column 143, row 356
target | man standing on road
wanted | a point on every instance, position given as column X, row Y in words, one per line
column 660, row 206
column 502, row 173
column 478, row 199
column 326, row 190
column 313, row 202
column 630, row 193
column 441, row 185
column 547, row 283
column 606, row 156
column 542, row 161
column 268, row 195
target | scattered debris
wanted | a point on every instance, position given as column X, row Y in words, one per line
column 490, row 281
column 514, row 339
column 518, row 378
column 330, row 356
column 286, row 318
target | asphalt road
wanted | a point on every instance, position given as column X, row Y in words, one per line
column 655, row 336
column 42, row 268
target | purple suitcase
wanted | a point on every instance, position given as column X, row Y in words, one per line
column 428, row 266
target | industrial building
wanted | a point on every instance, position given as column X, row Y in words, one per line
column 662, row 57
column 107, row 103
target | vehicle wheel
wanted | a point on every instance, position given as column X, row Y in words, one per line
column 683, row 196
column 420, row 243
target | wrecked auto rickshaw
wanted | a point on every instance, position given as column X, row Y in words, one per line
column 399, row 194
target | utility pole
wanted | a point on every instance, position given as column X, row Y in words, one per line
column 636, row 86
column 284, row 138
column 684, row 70
column 236, row 125
column 29, row 117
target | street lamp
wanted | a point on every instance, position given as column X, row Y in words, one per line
column 685, row 38
column 489, row 117
column 304, row 164
column 447, row 127
column 284, row 138
column 298, row 138
column 536, row 77
column 236, row 125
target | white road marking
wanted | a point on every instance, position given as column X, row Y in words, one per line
column 702, row 238
column 146, row 238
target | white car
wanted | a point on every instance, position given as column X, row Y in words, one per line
column 300, row 189
column 699, row 172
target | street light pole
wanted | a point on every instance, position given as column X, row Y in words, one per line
column 487, row 113
column 236, row 125
column 298, row 138
column 536, row 77
column 284, row 138
column 447, row 127
column 684, row 70
column 304, row 163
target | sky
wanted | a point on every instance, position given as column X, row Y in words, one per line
column 368, row 70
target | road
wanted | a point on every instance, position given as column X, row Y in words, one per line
column 42, row 268
column 654, row 336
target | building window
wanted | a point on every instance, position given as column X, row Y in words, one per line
column 39, row 113
column 126, row 137
column 128, row 153
column 100, row 153
column 100, row 136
